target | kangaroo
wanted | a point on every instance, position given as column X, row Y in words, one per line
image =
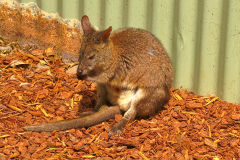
column 132, row 72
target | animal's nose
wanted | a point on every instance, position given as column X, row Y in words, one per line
column 81, row 73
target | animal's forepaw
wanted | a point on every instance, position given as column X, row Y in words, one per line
column 116, row 129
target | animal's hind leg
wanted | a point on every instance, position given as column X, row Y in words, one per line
column 153, row 102
column 118, row 127
column 130, row 114
column 146, row 102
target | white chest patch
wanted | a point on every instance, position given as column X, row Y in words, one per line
column 129, row 98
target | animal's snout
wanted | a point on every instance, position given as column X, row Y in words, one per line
column 81, row 73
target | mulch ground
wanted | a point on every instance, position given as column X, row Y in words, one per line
column 36, row 87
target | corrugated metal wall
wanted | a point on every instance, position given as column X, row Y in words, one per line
column 202, row 37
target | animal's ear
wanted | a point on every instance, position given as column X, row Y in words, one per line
column 105, row 34
column 86, row 25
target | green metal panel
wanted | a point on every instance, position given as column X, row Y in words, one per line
column 184, row 46
column 50, row 6
column 162, row 22
column 210, row 48
column 26, row 1
column 137, row 13
column 231, row 79
column 93, row 9
column 70, row 8
column 113, row 14
column 202, row 37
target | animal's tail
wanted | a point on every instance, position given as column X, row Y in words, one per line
column 105, row 113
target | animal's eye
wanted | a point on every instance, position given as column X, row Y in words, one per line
column 91, row 57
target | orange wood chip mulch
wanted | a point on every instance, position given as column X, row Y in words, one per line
column 35, row 88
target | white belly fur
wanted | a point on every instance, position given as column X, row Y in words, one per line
column 129, row 98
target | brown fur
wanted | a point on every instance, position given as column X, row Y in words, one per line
column 131, row 69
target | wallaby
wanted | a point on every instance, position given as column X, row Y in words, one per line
column 132, row 72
